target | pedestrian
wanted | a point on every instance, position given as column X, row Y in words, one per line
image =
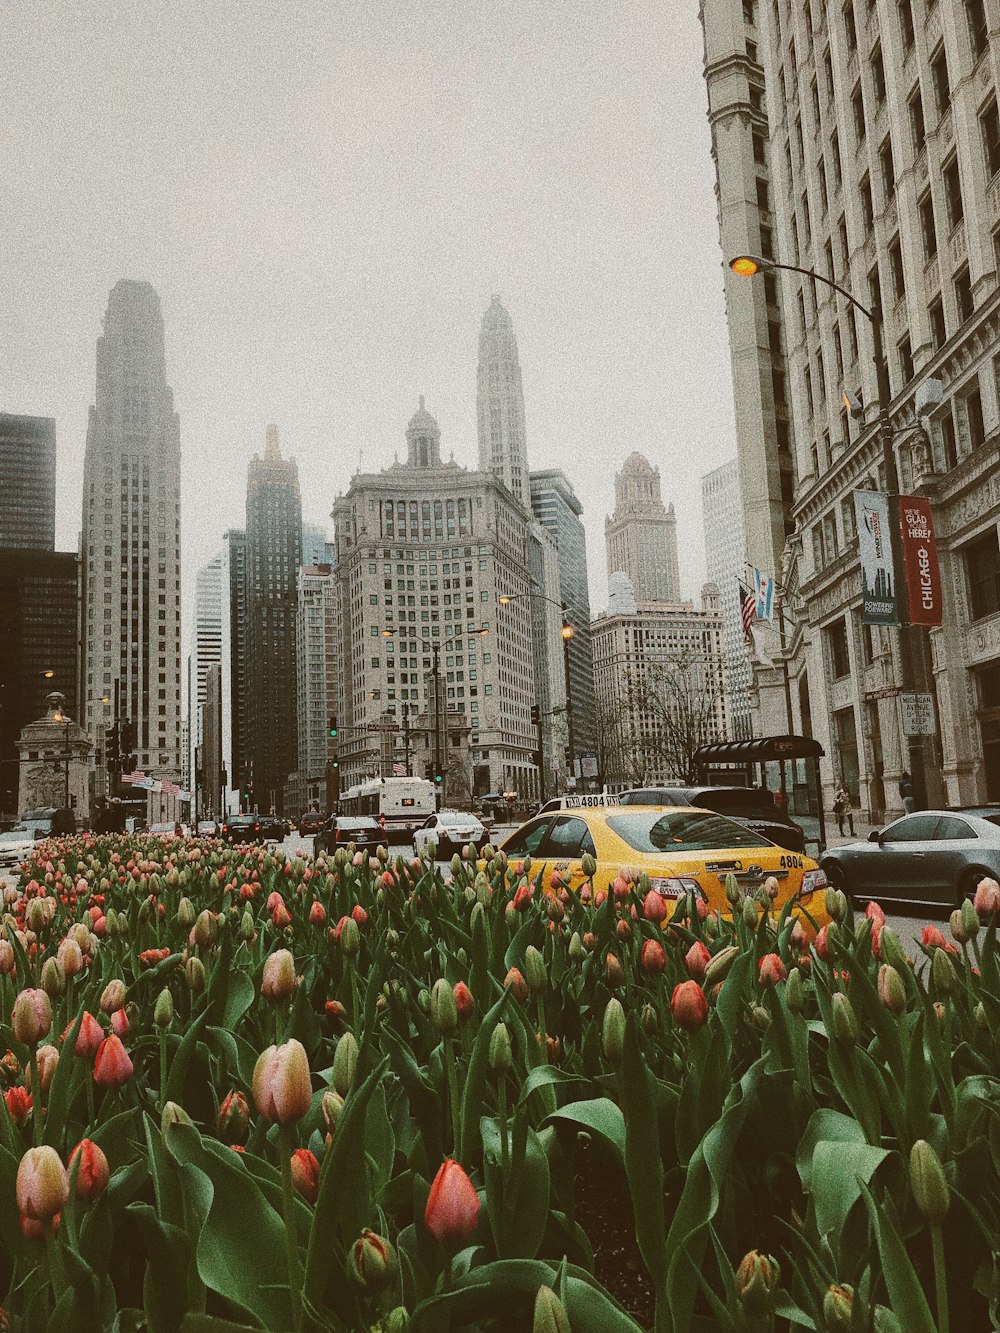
column 906, row 793
column 842, row 808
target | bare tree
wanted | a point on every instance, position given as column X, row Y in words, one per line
column 682, row 700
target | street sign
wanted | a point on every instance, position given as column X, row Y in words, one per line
column 588, row 764
column 887, row 692
column 918, row 714
column 383, row 726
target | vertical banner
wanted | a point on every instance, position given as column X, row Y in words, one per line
column 878, row 584
column 920, row 560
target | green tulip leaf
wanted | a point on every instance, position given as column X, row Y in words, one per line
column 601, row 1116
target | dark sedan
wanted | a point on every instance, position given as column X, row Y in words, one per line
column 931, row 858
column 753, row 807
column 242, row 829
column 365, row 833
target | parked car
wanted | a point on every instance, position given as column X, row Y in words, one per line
column 930, row 858
column 364, row 832
column 242, row 829
column 311, row 822
column 681, row 849
column 208, row 828
column 753, row 807
column 167, row 828
column 272, row 828
column 450, row 831
column 16, row 845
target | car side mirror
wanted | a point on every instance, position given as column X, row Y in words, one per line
column 875, row 836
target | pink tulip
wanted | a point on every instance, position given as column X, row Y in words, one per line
column 689, row 1006
column 772, row 970
column 282, row 1087
column 42, row 1186
column 32, row 1016
column 696, row 960
column 94, row 1172
column 987, row 899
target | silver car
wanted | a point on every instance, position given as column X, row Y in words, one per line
column 930, row 858
column 16, row 845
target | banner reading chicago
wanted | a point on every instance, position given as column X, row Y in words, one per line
column 878, row 584
column 923, row 574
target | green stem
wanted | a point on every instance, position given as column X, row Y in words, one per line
column 288, row 1201
column 57, row 1271
column 36, row 1099
column 355, row 1003
column 504, row 1146
column 449, row 1060
column 163, row 1069
column 89, row 1082
column 940, row 1277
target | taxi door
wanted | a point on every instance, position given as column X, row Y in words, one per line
column 562, row 851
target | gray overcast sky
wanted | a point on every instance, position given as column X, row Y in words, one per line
column 326, row 193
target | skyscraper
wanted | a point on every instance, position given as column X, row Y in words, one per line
column 725, row 564
column 234, row 646
column 503, row 448
column 274, row 554
column 27, row 483
column 318, row 663
column 641, row 535
column 131, row 534
column 314, row 544
column 207, row 651
column 557, row 508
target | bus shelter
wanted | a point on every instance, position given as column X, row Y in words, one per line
column 719, row 763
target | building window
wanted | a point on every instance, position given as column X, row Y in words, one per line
column 758, row 147
column 850, row 28
column 905, row 11
column 973, row 403
column 839, row 656
column 953, row 192
column 963, row 294
column 918, row 132
column 949, row 446
column 906, row 359
column 858, row 109
column 888, row 170
column 939, row 78
column 982, row 568
column 928, row 231
column 989, row 125
column 975, row 12
column 875, row 288
column 878, row 76
column 867, row 205
column 938, row 331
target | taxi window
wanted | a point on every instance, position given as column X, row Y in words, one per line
column 568, row 839
column 681, row 831
column 526, row 840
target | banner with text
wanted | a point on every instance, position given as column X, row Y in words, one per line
column 878, row 584
column 920, row 560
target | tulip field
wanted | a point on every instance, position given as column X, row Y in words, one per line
column 245, row 1092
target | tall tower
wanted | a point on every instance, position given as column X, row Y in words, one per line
column 274, row 554
column 503, row 447
column 28, row 483
column 722, row 508
column 207, row 647
column 641, row 535
column 234, row 653
column 131, row 534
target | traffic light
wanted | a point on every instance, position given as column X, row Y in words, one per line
column 437, row 778
column 536, row 715
column 333, row 727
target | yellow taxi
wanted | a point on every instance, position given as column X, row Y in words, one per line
column 681, row 848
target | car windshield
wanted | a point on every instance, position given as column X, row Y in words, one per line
column 681, row 831
column 15, row 835
column 361, row 822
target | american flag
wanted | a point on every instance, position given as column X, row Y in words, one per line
column 748, row 609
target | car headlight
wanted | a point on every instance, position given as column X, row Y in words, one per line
column 812, row 881
column 676, row 887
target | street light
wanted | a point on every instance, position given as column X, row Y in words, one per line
column 567, row 631
column 435, row 646
column 748, row 266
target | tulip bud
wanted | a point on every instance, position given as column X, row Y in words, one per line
column 464, row 1002
column 234, row 1118
column 444, row 1011
column 534, row 970
column 113, row 996
column 654, row 907
column 795, row 992
column 981, row 1018
column 70, row 955
column 372, row 1262
column 47, row 1058
column 345, row 1060
column 163, row 1011
column 613, row 1031
column 550, row 1313
column 278, row 980
column 247, row 925
column 891, row 950
column 838, row 1305
column 891, row 990
column 53, row 978
column 515, row 982
column 206, row 928
column 718, row 969
column 733, row 891
column 987, row 899
column 32, row 1016
column 649, row 1020
column 772, row 970
column 282, row 1087
column 500, row 1054
column 350, row 938
column 396, row 1321
column 928, row 1182
column 844, row 1020
column 452, row 1211
column 93, row 1172
column 194, row 974
column 576, row 950
column 689, row 1006
column 173, row 1114
column 614, row 973
column 835, row 903
column 942, row 973
column 112, row 1065
column 970, row 919
column 332, row 1105
column 305, row 1174
column 653, row 958
column 42, row 1185
column 757, row 1280
column 588, row 865
column 185, row 914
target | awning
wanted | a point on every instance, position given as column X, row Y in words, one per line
column 761, row 749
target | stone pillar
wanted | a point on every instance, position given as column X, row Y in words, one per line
column 55, row 763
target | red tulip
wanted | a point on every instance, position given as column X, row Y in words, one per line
column 931, row 938
column 654, row 907
column 696, row 960
column 653, row 957
column 234, row 1117
column 94, row 1172
column 119, row 1023
column 874, row 913
column 689, row 1006
column 515, row 982
column 305, row 1174
column 18, row 1101
column 614, row 973
column 820, row 945
column 112, row 1066
column 772, row 970
column 464, row 1002
column 89, row 1037
column 452, row 1211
